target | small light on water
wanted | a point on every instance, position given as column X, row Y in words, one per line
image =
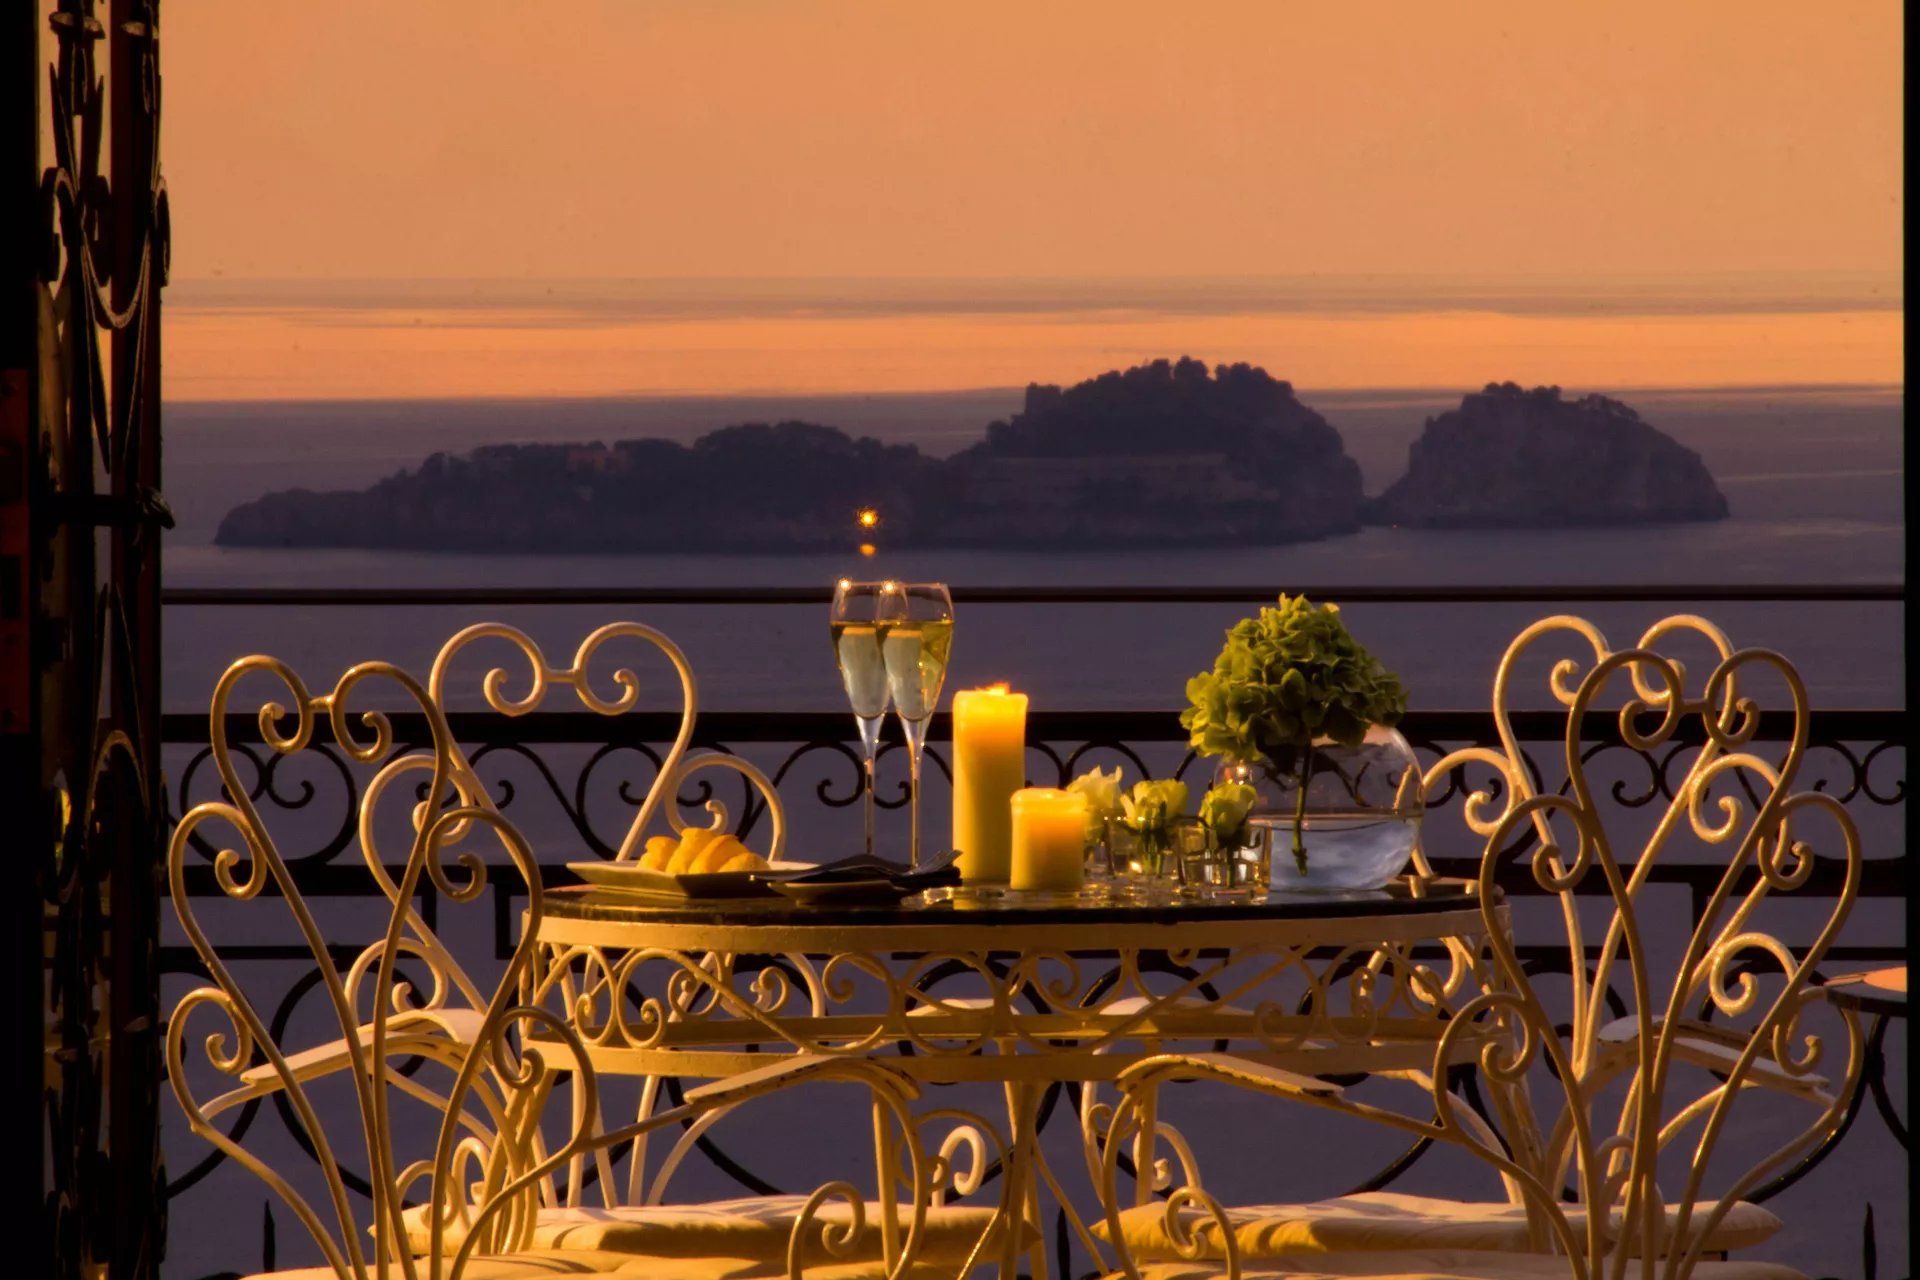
column 868, row 549
column 867, row 518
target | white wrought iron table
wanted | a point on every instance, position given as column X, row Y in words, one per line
column 1021, row 996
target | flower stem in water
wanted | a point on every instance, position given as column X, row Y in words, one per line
column 1300, row 810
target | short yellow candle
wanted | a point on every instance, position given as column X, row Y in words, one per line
column 1049, row 839
column 989, row 765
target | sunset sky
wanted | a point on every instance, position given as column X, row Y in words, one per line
column 1658, row 148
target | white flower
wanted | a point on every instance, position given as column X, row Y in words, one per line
column 1225, row 807
column 1151, row 805
column 1103, row 798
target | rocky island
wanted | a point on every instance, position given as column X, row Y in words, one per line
column 754, row 487
column 1508, row 458
column 1166, row 454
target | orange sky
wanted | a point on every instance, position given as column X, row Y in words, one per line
column 370, row 355
column 625, row 138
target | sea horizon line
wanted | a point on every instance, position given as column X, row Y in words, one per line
column 1398, row 393
column 601, row 300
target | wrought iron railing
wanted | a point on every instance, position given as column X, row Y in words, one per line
column 582, row 770
column 1858, row 756
column 1666, row 593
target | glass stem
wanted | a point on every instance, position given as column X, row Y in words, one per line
column 867, row 799
column 913, row 785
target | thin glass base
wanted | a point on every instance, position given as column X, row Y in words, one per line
column 975, row 892
column 1083, row 896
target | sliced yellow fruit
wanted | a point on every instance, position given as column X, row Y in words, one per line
column 692, row 841
column 659, row 852
column 746, row 860
column 716, row 854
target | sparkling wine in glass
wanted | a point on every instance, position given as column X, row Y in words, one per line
column 859, row 625
column 916, row 645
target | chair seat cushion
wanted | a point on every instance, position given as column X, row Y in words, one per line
column 1436, row 1264
column 605, row 1264
column 536, row 1264
column 752, row 1227
column 1382, row 1220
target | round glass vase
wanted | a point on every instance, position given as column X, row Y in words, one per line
column 1358, row 821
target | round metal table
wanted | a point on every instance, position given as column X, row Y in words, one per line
column 1024, row 996
column 1882, row 992
column 1310, row 983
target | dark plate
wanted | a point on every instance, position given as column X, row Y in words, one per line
column 864, row 869
column 631, row 877
column 877, row 891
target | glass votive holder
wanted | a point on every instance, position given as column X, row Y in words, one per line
column 1146, row 862
column 1098, row 860
column 1240, row 866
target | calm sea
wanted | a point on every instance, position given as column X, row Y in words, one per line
column 1814, row 477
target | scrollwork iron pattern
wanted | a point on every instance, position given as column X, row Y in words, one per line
column 494, row 1156
column 594, row 772
column 1659, row 1042
column 100, row 250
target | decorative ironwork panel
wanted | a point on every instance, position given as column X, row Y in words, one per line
column 573, row 781
column 79, row 654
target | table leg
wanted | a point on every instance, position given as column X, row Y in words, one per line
column 1023, row 1185
column 884, row 1159
column 1015, row 1196
column 577, row 1166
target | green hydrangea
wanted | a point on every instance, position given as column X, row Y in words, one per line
column 1285, row 677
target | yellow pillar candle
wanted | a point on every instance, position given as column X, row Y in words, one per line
column 989, row 765
column 1049, row 839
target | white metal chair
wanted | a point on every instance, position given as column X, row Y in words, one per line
column 676, row 766
column 1726, row 1019
column 639, row 1217
column 489, row 1160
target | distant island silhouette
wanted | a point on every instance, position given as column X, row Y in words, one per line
column 1508, row 457
column 1168, row 453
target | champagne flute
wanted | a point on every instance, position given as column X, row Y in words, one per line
column 860, row 619
column 916, row 645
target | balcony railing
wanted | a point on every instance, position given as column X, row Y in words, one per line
column 571, row 778
column 1666, row 593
